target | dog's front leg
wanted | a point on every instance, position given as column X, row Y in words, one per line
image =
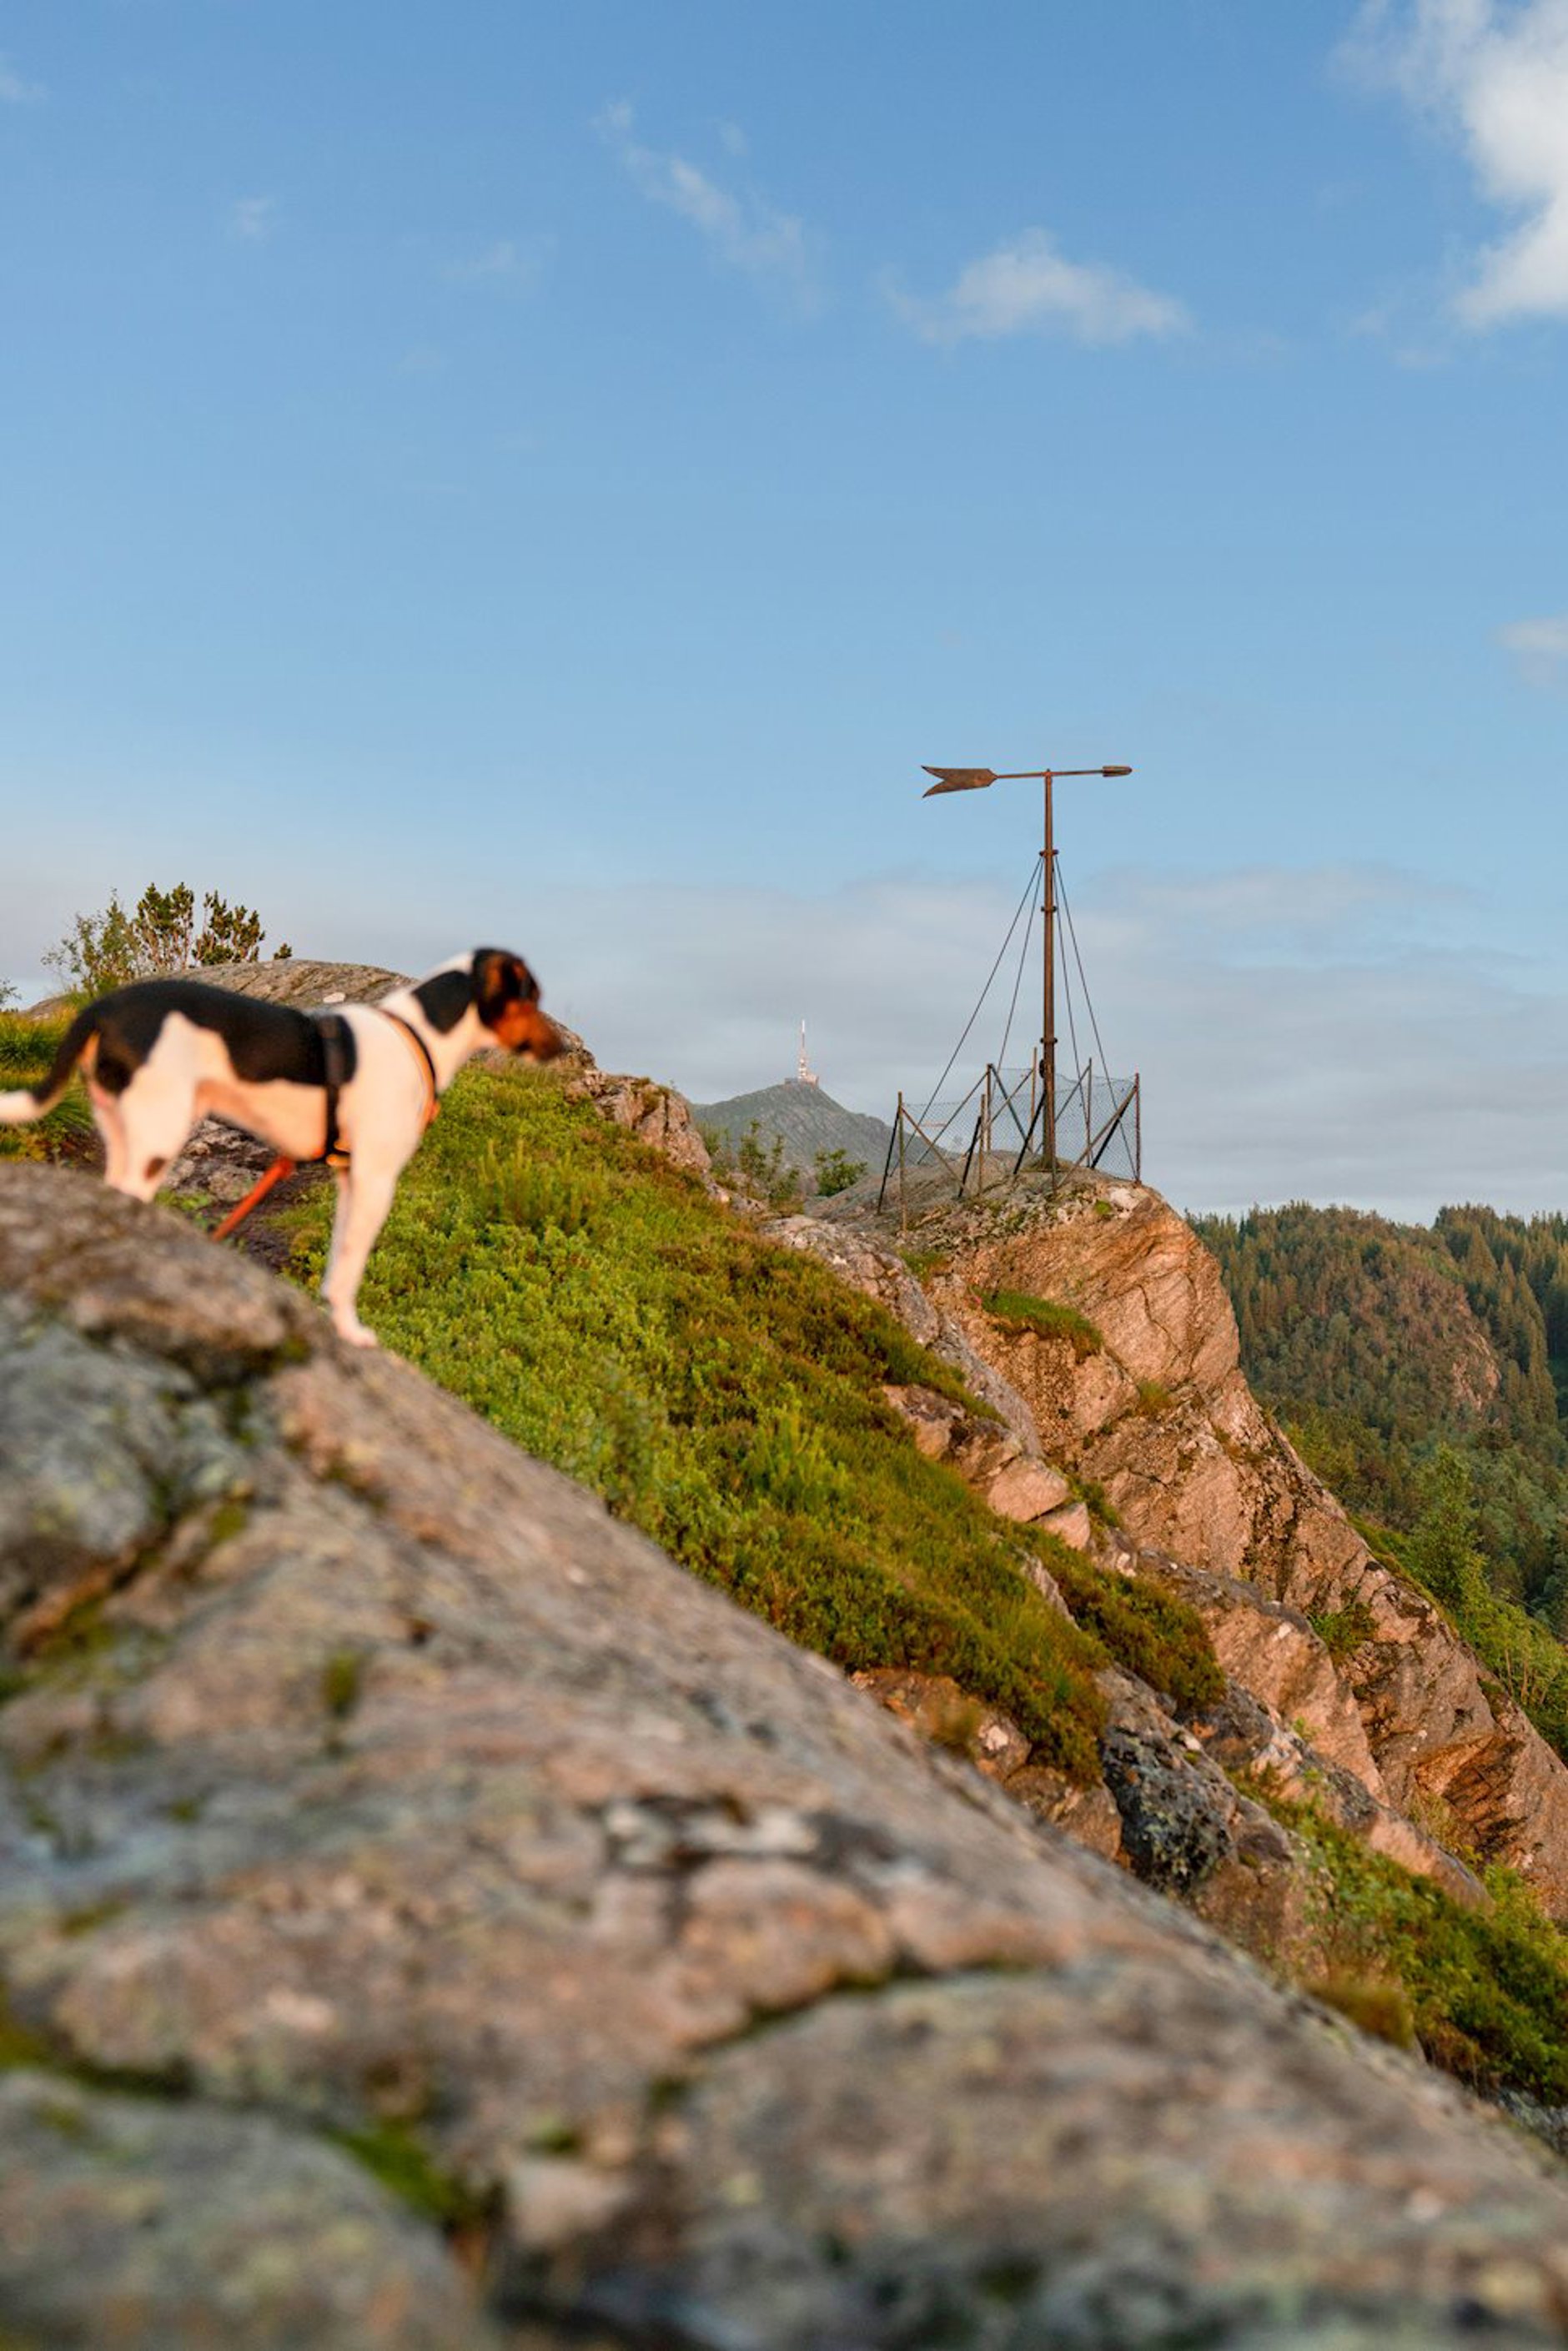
column 364, row 1198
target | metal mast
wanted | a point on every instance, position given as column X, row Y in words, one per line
column 975, row 779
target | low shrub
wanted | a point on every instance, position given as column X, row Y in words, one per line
column 1149, row 1631
column 1486, row 1990
column 1343, row 1630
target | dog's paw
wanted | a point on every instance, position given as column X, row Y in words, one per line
column 354, row 1332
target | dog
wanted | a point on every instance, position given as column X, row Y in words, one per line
column 358, row 1085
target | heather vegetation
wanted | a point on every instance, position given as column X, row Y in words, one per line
column 723, row 1394
column 1483, row 1992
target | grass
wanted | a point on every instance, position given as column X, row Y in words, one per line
column 27, row 1054
column 721, row 1393
column 1483, row 1992
column 1048, row 1318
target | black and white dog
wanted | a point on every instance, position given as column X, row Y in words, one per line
column 360, row 1083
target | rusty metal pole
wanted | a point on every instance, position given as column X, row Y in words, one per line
column 903, row 1195
column 1048, row 1031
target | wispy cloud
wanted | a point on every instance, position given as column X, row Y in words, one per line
column 14, row 90
column 1494, row 78
column 254, row 219
column 1540, row 648
column 1338, row 1033
column 1028, row 286
column 742, row 231
column 510, row 264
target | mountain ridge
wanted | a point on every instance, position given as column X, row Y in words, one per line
column 804, row 1120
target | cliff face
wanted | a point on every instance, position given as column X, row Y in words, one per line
column 1162, row 1417
column 375, row 1809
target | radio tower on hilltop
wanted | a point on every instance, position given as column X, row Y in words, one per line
column 805, row 1075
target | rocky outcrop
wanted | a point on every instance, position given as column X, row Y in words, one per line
column 1160, row 1417
column 1404, row 1739
column 656, row 1114
column 374, row 1808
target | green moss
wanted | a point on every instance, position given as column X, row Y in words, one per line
column 19, row 2044
column 1149, row 1631
column 342, row 1681
column 723, row 1394
column 1048, row 1318
column 391, row 2154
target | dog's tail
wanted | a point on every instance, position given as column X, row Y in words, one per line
column 27, row 1103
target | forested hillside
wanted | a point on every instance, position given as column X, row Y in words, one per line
column 1423, row 1372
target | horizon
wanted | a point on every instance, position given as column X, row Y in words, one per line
column 561, row 476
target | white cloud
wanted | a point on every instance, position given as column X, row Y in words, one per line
column 1330, row 1034
column 14, row 90
column 1541, row 649
column 743, row 231
column 508, row 263
column 1340, row 1032
column 1495, row 77
column 1028, row 287
column 253, row 218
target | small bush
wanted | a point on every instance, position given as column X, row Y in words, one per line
column 836, row 1171
column 1343, row 1630
column 1154, row 1397
column 1016, row 1311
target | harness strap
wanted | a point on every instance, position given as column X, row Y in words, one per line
column 337, row 1068
column 421, row 1054
column 338, row 1049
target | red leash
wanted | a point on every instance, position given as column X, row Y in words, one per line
column 275, row 1174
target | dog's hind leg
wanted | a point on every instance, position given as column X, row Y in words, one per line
column 364, row 1198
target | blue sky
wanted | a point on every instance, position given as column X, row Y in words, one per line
column 555, row 473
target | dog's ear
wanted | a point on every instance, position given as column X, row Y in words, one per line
column 500, row 981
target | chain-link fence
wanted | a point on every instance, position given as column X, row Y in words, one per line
column 987, row 1138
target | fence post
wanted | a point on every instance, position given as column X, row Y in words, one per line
column 903, row 1198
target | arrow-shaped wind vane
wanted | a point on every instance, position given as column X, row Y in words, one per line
column 958, row 779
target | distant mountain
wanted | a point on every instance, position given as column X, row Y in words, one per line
column 805, row 1120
